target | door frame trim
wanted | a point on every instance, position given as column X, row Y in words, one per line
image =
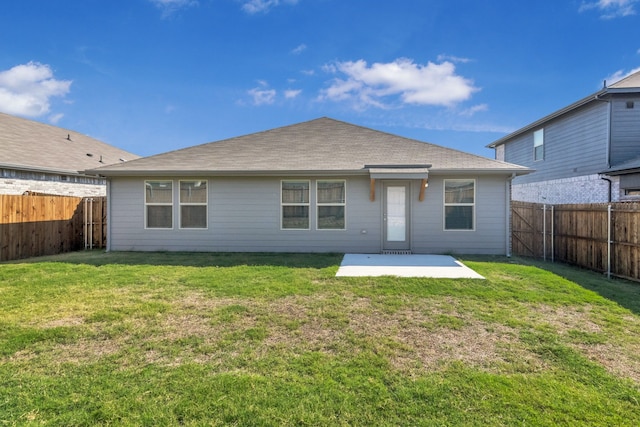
column 407, row 244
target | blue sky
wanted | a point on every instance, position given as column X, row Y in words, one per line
column 151, row 76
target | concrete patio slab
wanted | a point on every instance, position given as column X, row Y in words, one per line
column 437, row 266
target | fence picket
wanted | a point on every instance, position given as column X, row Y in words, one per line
column 34, row 225
column 580, row 235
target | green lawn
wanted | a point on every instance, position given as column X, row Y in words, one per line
column 90, row 338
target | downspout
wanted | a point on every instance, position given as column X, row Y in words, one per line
column 507, row 191
column 610, row 184
column 108, row 215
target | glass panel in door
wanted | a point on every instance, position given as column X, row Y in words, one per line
column 396, row 214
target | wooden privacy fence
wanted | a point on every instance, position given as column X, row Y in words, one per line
column 34, row 225
column 601, row 236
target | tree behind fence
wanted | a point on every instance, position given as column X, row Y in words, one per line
column 36, row 225
column 579, row 235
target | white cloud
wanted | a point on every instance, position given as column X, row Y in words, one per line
column 451, row 58
column 257, row 6
column 292, row 93
column 169, row 7
column 619, row 75
column 261, row 95
column 430, row 84
column 27, row 89
column 56, row 118
column 299, row 49
column 473, row 110
column 610, row 9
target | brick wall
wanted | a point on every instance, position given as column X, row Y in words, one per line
column 581, row 189
column 19, row 186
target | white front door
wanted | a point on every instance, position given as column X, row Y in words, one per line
column 396, row 222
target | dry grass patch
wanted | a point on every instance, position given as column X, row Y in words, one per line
column 81, row 352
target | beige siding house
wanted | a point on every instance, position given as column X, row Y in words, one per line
column 39, row 158
column 318, row 186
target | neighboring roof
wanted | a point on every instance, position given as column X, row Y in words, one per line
column 30, row 145
column 322, row 146
column 630, row 166
column 630, row 84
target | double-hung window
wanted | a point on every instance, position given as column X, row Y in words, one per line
column 459, row 204
column 294, row 199
column 331, row 202
column 538, row 145
column 193, row 204
column 158, row 202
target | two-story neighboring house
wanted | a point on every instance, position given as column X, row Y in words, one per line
column 587, row 152
column 40, row 158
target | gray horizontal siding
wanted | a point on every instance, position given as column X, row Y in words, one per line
column 244, row 215
column 574, row 145
column 625, row 130
column 489, row 236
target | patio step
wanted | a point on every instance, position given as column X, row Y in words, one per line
column 396, row 252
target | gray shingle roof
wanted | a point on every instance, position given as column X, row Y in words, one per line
column 31, row 145
column 321, row 145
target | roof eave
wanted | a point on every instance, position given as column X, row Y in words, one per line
column 173, row 173
column 28, row 168
column 483, row 171
column 621, row 171
column 318, row 172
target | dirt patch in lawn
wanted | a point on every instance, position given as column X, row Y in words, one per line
column 414, row 335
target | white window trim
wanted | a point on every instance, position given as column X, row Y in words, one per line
column 144, row 198
column 344, row 204
column 282, row 205
column 541, row 144
column 181, row 204
column 445, row 205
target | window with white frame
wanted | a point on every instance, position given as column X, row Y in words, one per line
column 538, row 145
column 158, row 202
column 330, row 204
column 294, row 199
column 193, row 204
column 459, row 204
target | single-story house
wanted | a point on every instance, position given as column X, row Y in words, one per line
column 317, row 186
column 40, row 158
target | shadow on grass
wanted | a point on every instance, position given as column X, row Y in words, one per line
column 194, row 259
column 623, row 292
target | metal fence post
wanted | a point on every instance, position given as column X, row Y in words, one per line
column 553, row 258
column 544, row 232
column 609, row 241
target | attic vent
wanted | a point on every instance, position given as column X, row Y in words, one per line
column 630, row 104
column 89, row 155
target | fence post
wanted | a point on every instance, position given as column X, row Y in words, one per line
column 609, row 241
column 544, row 232
column 553, row 258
